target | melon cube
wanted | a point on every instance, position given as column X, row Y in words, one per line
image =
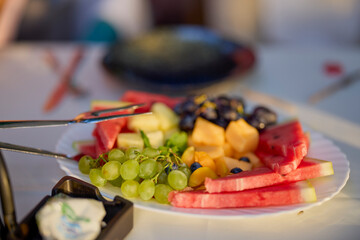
column 233, row 163
column 207, row 133
column 215, row 152
column 166, row 116
column 126, row 140
column 242, row 136
column 146, row 123
column 228, row 149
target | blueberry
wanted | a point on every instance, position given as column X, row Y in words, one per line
column 195, row 166
column 245, row 159
column 236, row 170
column 173, row 167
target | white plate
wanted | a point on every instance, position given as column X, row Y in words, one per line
column 325, row 187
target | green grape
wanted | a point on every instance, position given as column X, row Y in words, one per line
column 129, row 169
column 161, row 193
column 96, row 177
column 111, row 170
column 150, row 152
column 186, row 170
column 148, row 169
column 146, row 189
column 132, row 153
column 117, row 182
column 85, row 164
column 129, row 188
column 162, row 178
column 159, row 167
column 177, row 179
column 116, row 155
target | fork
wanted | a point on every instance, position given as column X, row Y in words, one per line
column 85, row 117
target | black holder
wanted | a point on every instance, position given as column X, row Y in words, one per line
column 118, row 218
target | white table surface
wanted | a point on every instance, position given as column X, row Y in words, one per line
column 289, row 74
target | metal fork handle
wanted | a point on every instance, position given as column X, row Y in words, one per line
column 47, row 123
column 35, row 151
column 34, row 123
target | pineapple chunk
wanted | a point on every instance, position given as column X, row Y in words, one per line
column 107, row 104
column 254, row 160
column 207, row 133
column 166, row 116
column 242, row 136
column 147, row 123
column 170, row 132
column 126, row 140
column 156, row 138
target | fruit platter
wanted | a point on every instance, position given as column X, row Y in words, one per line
column 199, row 155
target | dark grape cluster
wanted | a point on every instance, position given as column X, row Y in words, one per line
column 221, row 110
column 262, row 117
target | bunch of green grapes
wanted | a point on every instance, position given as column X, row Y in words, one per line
column 148, row 173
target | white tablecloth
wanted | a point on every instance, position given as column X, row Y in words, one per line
column 289, row 74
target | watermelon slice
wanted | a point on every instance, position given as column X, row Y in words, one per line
column 106, row 132
column 285, row 194
column 263, row 176
column 148, row 98
column 282, row 147
column 99, row 145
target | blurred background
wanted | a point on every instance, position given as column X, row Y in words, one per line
column 335, row 22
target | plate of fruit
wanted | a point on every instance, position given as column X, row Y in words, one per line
column 205, row 156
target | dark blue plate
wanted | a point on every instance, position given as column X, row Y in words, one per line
column 178, row 57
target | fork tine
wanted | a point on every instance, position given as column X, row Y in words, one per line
column 131, row 106
column 105, row 118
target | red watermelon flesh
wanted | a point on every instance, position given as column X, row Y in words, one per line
column 121, row 121
column 282, row 147
column 279, row 164
column 100, row 148
column 286, row 140
column 88, row 149
column 263, row 176
column 148, row 98
column 108, row 132
column 285, row 194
